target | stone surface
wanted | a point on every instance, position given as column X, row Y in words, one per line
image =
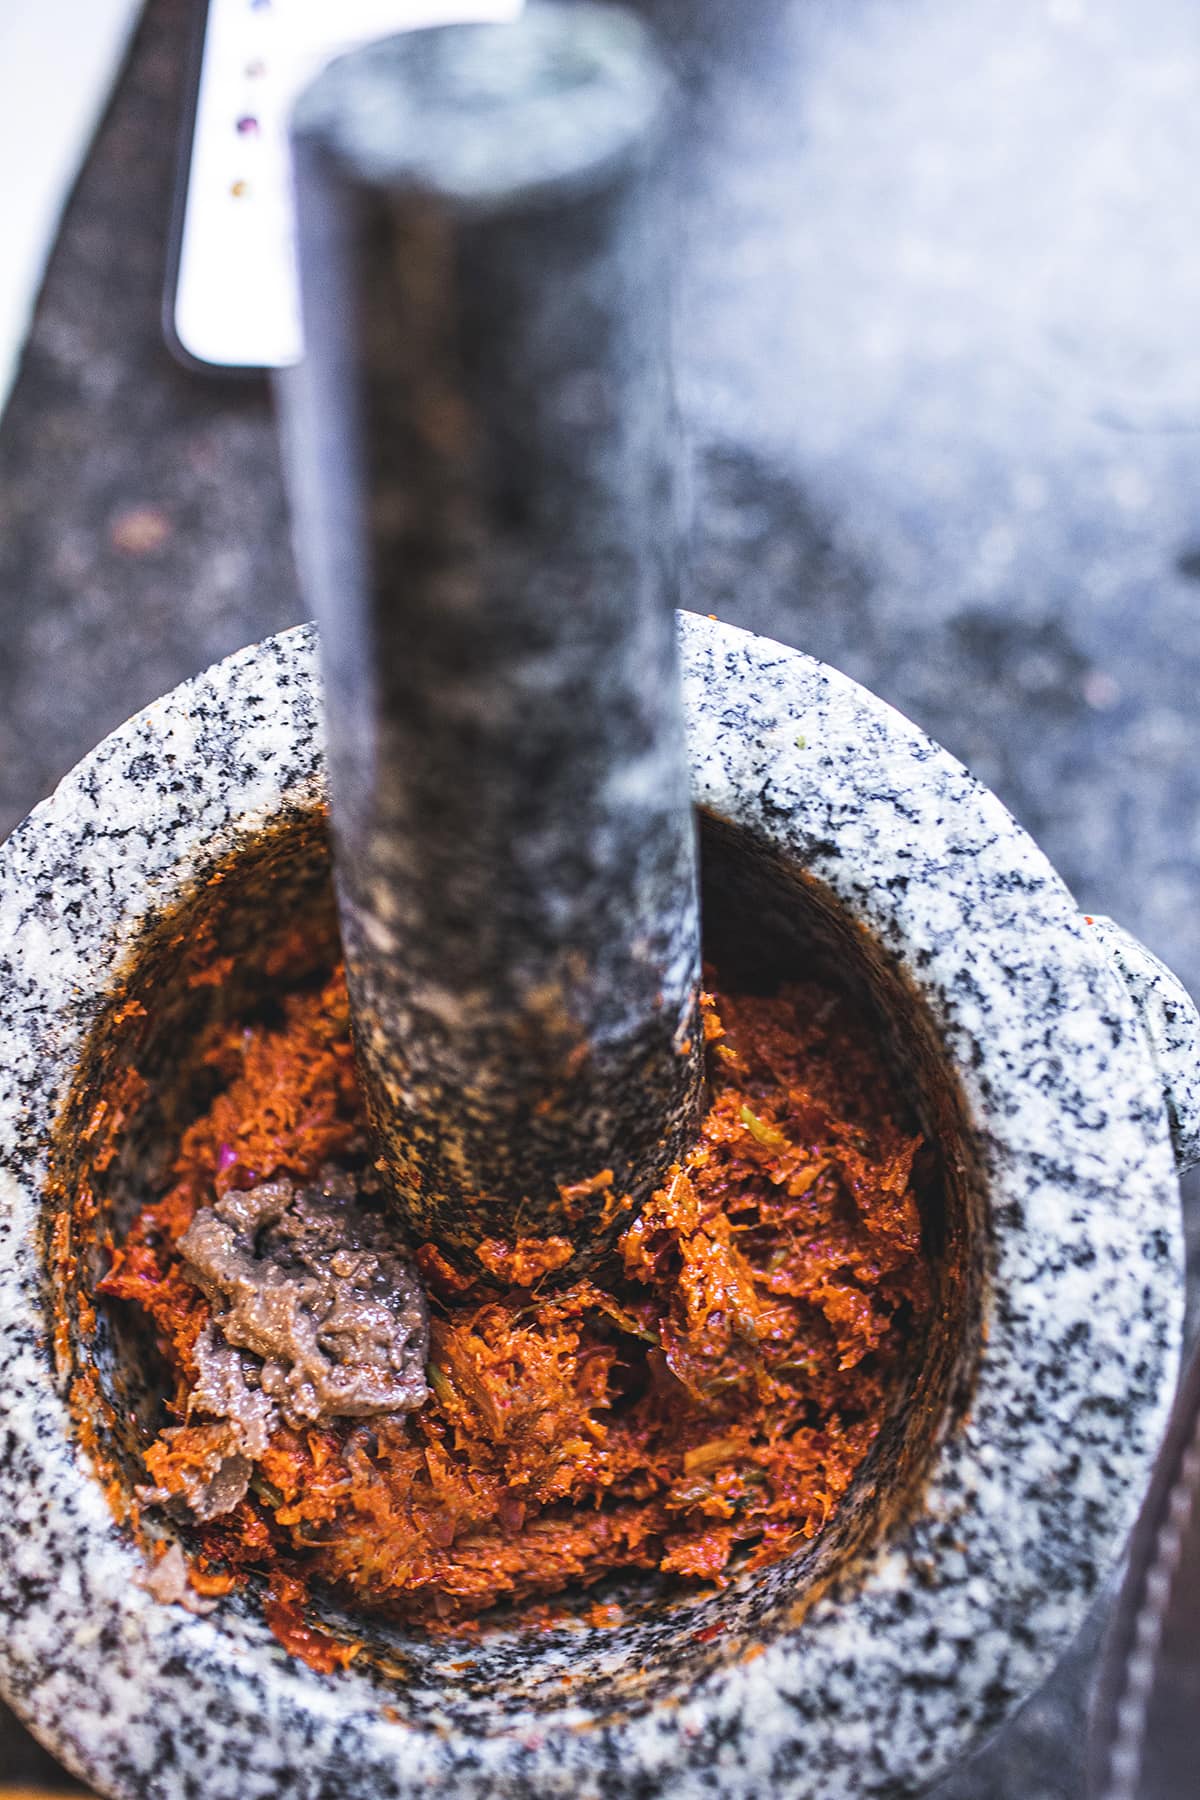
column 1172, row 1025
column 482, row 461
column 953, row 520
column 920, row 1641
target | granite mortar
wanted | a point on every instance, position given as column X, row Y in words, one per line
column 1000, row 1494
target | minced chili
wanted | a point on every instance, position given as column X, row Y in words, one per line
column 708, row 1399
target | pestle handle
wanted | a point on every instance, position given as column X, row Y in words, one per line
column 481, row 452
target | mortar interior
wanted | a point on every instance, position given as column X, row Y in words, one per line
column 764, row 920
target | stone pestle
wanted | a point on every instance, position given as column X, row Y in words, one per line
column 481, row 450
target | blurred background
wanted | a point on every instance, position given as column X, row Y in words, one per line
column 939, row 366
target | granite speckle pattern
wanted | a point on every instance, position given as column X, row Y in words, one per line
column 1172, row 1024
column 480, row 237
column 919, row 1646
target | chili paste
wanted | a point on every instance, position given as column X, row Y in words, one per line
column 709, row 1398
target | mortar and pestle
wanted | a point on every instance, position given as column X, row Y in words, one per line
column 481, row 474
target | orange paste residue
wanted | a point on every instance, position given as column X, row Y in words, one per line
column 713, row 1395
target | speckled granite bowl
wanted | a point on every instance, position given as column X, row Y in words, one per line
column 1001, row 1488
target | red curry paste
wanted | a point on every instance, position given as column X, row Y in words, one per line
column 713, row 1396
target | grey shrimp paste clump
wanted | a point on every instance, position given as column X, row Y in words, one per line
column 315, row 1316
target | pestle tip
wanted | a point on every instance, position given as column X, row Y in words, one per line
column 489, row 114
